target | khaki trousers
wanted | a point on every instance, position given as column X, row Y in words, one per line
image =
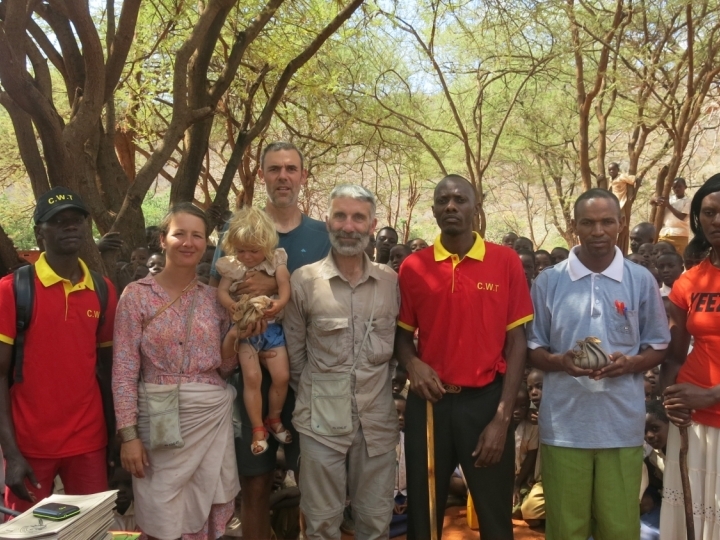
column 678, row 242
column 324, row 475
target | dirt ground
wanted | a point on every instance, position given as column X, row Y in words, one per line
column 455, row 528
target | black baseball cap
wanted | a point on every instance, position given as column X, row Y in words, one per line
column 56, row 200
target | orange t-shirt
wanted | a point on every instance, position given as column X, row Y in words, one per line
column 697, row 291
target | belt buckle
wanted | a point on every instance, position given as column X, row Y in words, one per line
column 452, row 388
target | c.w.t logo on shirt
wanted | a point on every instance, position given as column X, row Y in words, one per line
column 93, row 314
column 485, row 286
column 705, row 302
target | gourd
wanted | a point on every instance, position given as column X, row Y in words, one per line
column 589, row 354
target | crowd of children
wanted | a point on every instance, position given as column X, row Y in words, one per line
column 660, row 258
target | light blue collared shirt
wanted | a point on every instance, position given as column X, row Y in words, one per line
column 573, row 303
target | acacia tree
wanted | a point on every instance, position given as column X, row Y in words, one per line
column 50, row 43
column 685, row 85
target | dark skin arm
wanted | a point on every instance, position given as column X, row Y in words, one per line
column 527, row 467
column 662, row 202
column 17, row 468
column 491, row 442
column 104, row 377
column 680, row 399
column 424, row 381
column 625, row 365
column 620, row 364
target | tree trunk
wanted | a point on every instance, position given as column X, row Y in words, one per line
column 9, row 257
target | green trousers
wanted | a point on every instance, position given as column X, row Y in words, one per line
column 592, row 492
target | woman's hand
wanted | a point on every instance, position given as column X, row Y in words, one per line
column 134, row 458
column 689, row 396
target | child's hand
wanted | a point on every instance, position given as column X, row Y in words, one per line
column 517, row 496
column 273, row 310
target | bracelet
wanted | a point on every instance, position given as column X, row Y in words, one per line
column 129, row 433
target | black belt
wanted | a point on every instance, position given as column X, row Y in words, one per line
column 455, row 389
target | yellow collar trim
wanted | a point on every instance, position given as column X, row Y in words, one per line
column 476, row 252
column 48, row 277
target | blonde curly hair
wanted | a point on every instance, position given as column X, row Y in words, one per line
column 251, row 227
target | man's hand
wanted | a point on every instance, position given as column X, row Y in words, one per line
column 619, row 365
column 688, row 396
column 424, row 381
column 17, row 469
column 257, row 284
column 109, row 242
column 214, row 214
column 133, row 457
column 491, row 443
column 567, row 364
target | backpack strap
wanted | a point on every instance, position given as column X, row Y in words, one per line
column 101, row 289
column 24, row 289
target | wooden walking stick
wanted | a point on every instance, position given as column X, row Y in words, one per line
column 431, row 470
column 685, row 480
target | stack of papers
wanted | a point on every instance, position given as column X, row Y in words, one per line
column 92, row 523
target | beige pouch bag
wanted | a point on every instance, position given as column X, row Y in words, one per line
column 163, row 401
column 589, row 354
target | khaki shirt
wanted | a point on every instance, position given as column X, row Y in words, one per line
column 325, row 323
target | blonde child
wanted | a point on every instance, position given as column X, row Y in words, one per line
column 250, row 243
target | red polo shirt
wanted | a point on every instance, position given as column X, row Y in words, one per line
column 57, row 409
column 464, row 308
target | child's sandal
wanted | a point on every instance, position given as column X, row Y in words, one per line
column 283, row 436
column 259, row 447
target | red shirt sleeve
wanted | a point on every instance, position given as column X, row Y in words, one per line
column 678, row 294
column 520, row 307
column 7, row 310
column 105, row 335
column 407, row 318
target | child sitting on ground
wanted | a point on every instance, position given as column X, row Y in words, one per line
column 250, row 244
column 533, row 507
column 526, row 448
column 398, row 254
column 656, row 433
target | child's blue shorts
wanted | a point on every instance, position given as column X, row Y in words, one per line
column 272, row 338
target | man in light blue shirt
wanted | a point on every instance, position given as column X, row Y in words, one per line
column 592, row 422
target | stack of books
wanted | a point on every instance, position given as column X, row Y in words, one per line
column 92, row 522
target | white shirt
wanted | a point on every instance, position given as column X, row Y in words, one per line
column 672, row 226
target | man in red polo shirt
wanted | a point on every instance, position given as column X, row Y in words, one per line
column 52, row 421
column 468, row 300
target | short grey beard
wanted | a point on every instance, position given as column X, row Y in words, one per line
column 349, row 251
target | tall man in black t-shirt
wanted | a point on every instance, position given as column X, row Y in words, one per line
column 306, row 241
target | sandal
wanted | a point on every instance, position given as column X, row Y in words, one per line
column 259, row 447
column 283, row 436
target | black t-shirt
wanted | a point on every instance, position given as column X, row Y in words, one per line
column 305, row 244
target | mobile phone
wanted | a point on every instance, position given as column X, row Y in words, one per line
column 55, row 511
